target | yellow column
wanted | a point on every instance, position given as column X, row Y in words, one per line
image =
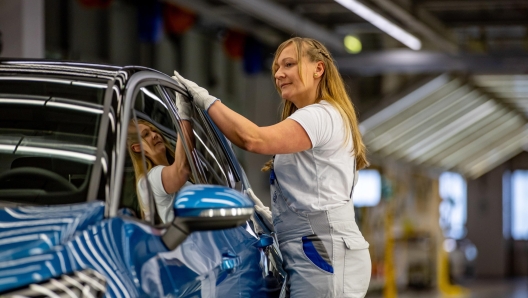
column 389, row 290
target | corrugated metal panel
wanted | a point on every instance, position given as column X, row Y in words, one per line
column 452, row 125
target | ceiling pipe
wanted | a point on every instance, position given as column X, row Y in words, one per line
column 286, row 20
column 210, row 12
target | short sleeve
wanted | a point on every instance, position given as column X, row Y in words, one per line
column 317, row 122
column 156, row 184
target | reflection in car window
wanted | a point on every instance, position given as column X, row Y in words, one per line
column 208, row 158
column 48, row 139
column 151, row 141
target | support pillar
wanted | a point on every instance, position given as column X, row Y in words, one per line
column 22, row 28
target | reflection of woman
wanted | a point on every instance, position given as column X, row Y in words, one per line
column 166, row 171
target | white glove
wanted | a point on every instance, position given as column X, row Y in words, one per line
column 262, row 210
column 200, row 96
column 265, row 213
column 183, row 106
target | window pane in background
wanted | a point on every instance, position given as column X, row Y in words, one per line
column 519, row 207
column 453, row 212
column 367, row 192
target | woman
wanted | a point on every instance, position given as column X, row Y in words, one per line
column 318, row 150
column 167, row 170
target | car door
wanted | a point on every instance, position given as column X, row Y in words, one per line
column 207, row 264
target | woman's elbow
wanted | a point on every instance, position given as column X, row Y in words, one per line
column 251, row 145
column 258, row 147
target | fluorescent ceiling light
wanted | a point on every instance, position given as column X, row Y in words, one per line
column 382, row 23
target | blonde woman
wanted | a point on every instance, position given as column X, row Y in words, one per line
column 167, row 169
column 318, row 150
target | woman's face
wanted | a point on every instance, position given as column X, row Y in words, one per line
column 289, row 82
column 152, row 142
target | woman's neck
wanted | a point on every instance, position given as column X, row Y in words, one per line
column 160, row 160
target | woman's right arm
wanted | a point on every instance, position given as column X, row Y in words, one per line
column 285, row 137
column 174, row 176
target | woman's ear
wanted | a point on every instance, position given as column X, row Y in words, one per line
column 320, row 68
column 135, row 147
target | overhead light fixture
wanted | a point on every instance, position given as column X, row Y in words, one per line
column 352, row 44
column 382, row 23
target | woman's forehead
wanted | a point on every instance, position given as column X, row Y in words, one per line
column 143, row 127
column 290, row 51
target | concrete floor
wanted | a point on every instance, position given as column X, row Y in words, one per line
column 512, row 288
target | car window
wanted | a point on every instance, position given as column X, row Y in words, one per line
column 210, row 162
column 151, row 141
column 48, row 139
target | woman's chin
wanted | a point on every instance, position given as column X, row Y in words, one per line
column 285, row 96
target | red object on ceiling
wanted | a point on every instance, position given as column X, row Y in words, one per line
column 177, row 19
column 234, row 43
column 95, row 3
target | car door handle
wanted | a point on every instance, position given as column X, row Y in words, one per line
column 229, row 261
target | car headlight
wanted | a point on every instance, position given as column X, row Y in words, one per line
column 85, row 283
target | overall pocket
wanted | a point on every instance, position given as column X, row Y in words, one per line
column 357, row 271
column 315, row 251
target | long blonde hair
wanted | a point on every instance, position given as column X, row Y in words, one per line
column 331, row 88
column 139, row 170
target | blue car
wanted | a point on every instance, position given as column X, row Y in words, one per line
column 79, row 219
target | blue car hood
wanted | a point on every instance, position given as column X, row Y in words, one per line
column 29, row 231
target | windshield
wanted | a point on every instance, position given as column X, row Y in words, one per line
column 48, row 138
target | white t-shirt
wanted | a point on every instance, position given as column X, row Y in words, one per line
column 163, row 200
column 322, row 177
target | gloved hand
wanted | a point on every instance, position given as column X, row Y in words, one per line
column 263, row 211
column 201, row 97
column 183, row 106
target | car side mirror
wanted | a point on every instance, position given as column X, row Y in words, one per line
column 206, row 208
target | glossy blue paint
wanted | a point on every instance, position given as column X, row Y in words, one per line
column 193, row 199
column 264, row 241
column 129, row 254
column 27, row 231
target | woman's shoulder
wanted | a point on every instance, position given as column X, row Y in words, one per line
column 327, row 109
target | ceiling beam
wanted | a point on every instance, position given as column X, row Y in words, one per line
column 409, row 61
column 288, row 21
column 201, row 7
column 471, row 5
column 439, row 41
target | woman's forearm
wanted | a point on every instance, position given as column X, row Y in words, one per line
column 238, row 129
column 175, row 175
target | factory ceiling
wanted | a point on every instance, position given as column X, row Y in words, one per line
column 469, row 118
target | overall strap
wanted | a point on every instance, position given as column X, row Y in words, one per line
column 354, row 180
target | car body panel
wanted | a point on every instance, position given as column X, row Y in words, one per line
column 130, row 254
column 39, row 243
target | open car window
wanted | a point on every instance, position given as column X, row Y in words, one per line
column 48, row 139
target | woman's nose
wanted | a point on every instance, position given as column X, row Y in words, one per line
column 279, row 74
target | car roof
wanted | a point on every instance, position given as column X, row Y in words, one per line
column 100, row 73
